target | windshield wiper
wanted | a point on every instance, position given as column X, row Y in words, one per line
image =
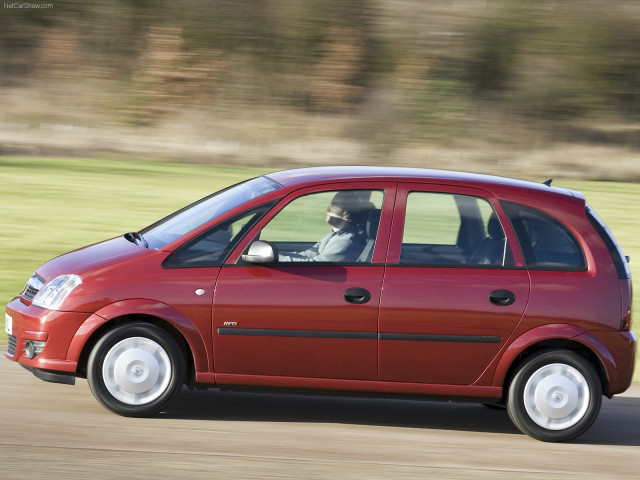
column 135, row 237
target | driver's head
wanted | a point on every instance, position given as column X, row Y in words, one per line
column 342, row 208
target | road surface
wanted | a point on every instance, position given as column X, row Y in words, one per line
column 60, row 431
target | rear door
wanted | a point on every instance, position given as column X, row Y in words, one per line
column 454, row 288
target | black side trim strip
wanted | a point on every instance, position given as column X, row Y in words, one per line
column 440, row 338
column 266, row 332
column 263, row 332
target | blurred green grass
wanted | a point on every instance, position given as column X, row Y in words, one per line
column 51, row 205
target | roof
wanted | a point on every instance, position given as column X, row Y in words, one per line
column 316, row 175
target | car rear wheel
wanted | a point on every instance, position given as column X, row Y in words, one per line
column 555, row 396
column 136, row 370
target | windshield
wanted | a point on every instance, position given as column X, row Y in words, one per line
column 183, row 221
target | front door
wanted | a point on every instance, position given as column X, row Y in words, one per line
column 314, row 312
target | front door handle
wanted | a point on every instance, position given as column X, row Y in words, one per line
column 357, row 295
column 502, row 297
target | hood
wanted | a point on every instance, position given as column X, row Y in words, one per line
column 92, row 258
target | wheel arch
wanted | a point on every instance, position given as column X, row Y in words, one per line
column 554, row 337
column 188, row 337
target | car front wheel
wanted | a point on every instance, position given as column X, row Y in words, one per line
column 555, row 396
column 136, row 370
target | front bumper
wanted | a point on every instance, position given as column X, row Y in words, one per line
column 55, row 329
column 53, row 377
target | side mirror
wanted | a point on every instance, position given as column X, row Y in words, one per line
column 261, row 252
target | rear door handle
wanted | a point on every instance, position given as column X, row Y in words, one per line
column 357, row 295
column 502, row 297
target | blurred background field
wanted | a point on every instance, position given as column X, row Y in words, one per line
column 113, row 114
column 499, row 86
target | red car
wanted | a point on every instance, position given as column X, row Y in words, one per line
column 347, row 279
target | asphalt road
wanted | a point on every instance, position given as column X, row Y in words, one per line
column 60, row 431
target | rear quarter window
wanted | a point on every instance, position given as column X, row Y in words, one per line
column 546, row 243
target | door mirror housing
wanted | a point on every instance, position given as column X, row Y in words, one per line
column 260, row 252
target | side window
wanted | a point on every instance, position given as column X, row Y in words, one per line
column 212, row 247
column 336, row 226
column 545, row 242
column 450, row 229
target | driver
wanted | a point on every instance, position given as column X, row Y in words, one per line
column 343, row 243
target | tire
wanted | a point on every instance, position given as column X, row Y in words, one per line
column 136, row 370
column 555, row 396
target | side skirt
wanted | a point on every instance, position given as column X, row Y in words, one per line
column 462, row 392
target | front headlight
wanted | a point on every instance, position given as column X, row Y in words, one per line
column 55, row 292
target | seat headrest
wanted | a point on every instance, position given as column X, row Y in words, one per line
column 494, row 228
column 372, row 222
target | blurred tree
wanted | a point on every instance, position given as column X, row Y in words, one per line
column 438, row 69
column 19, row 40
column 494, row 46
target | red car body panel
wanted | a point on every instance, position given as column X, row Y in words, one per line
column 458, row 330
column 340, row 338
column 427, row 330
